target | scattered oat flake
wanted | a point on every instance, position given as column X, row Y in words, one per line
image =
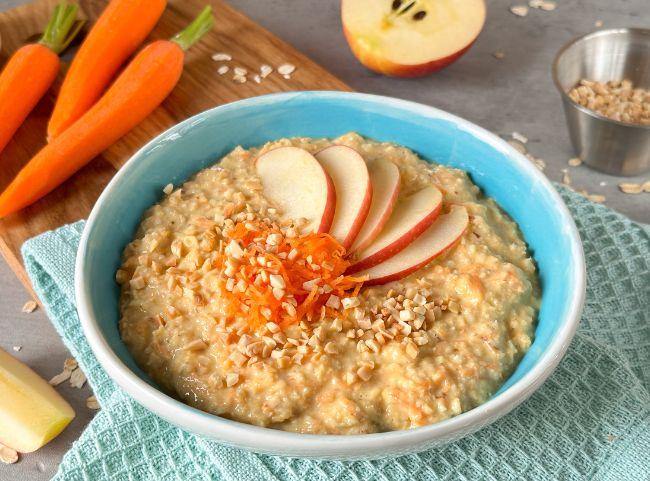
column 566, row 180
column 17, row 348
column 70, row 364
column 598, row 23
column 8, row 455
column 629, row 188
column 499, row 54
column 574, row 162
column 286, row 69
column 548, row 6
column 535, row 3
column 597, row 198
column 287, row 77
column 257, row 79
column 521, row 138
column 61, row 377
column 265, row 70
column 240, row 71
column 77, row 378
column 222, row 57
column 40, row 466
column 540, row 164
column 223, row 69
column 30, row 306
column 646, row 186
column 239, row 79
column 168, row 189
column 603, row 183
column 519, row 10
column 92, row 403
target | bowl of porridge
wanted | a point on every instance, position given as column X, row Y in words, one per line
column 329, row 274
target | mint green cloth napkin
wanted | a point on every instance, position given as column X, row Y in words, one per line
column 589, row 421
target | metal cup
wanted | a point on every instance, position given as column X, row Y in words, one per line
column 607, row 145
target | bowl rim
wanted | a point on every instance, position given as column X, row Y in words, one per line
column 585, row 38
column 261, row 439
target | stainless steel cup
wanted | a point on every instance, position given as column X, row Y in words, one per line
column 607, row 145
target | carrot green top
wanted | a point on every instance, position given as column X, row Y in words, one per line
column 195, row 30
column 62, row 27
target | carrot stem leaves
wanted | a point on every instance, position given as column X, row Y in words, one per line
column 62, row 27
column 195, row 30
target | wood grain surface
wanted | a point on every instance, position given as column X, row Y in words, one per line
column 200, row 88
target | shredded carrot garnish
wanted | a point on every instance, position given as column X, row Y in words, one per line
column 268, row 277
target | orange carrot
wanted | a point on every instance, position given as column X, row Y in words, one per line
column 119, row 30
column 31, row 70
column 141, row 87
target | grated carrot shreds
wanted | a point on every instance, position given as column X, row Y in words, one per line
column 306, row 284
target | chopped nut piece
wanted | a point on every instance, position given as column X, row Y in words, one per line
column 331, row 348
column 646, row 186
column 406, row 315
column 349, row 378
column 8, row 455
column 195, row 345
column 238, row 358
column 334, row 302
column 277, row 281
column 350, row 302
column 29, row 306
column 630, row 188
column 70, row 364
column 91, row 403
column 273, row 327
column 232, row 379
column 412, row 350
column 77, row 378
column 499, row 55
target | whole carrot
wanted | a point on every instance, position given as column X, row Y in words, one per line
column 119, row 30
column 139, row 89
column 31, row 70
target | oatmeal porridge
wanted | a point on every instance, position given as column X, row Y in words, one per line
column 242, row 312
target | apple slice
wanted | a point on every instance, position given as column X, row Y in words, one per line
column 385, row 180
column 436, row 240
column 293, row 179
column 409, row 38
column 349, row 173
column 31, row 412
column 411, row 216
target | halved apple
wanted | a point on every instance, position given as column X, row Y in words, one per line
column 31, row 412
column 349, row 173
column 436, row 240
column 385, row 180
column 293, row 179
column 410, row 38
column 411, row 216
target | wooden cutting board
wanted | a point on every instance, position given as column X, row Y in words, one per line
column 200, row 88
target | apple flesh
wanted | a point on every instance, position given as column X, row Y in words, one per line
column 31, row 412
column 354, row 193
column 385, row 180
column 411, row 216
column 295, row 181
column 411, row 38
column 435, row 241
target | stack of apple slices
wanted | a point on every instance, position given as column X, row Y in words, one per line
column 388, row 237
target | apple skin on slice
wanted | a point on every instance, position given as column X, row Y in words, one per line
column 385, row 180
column 31, row 412
column 411, row 216
column 349, row 173
column 436, row 240
column 407, row 38
column 293, row 179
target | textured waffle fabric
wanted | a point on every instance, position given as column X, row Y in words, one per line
column 589, row 421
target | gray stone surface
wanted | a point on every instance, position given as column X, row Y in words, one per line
column 512, row 94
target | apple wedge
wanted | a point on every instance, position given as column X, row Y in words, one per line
column 31, row 412
column 295, row 181
column 411, row 216
column 410, row 38
column 436, row 240
column 349, row 173
column 385, row 180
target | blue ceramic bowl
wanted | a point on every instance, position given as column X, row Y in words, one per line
column 188, row 147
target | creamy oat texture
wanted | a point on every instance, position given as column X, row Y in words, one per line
column 332, row 376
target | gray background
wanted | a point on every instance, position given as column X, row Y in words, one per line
column 512, row 94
